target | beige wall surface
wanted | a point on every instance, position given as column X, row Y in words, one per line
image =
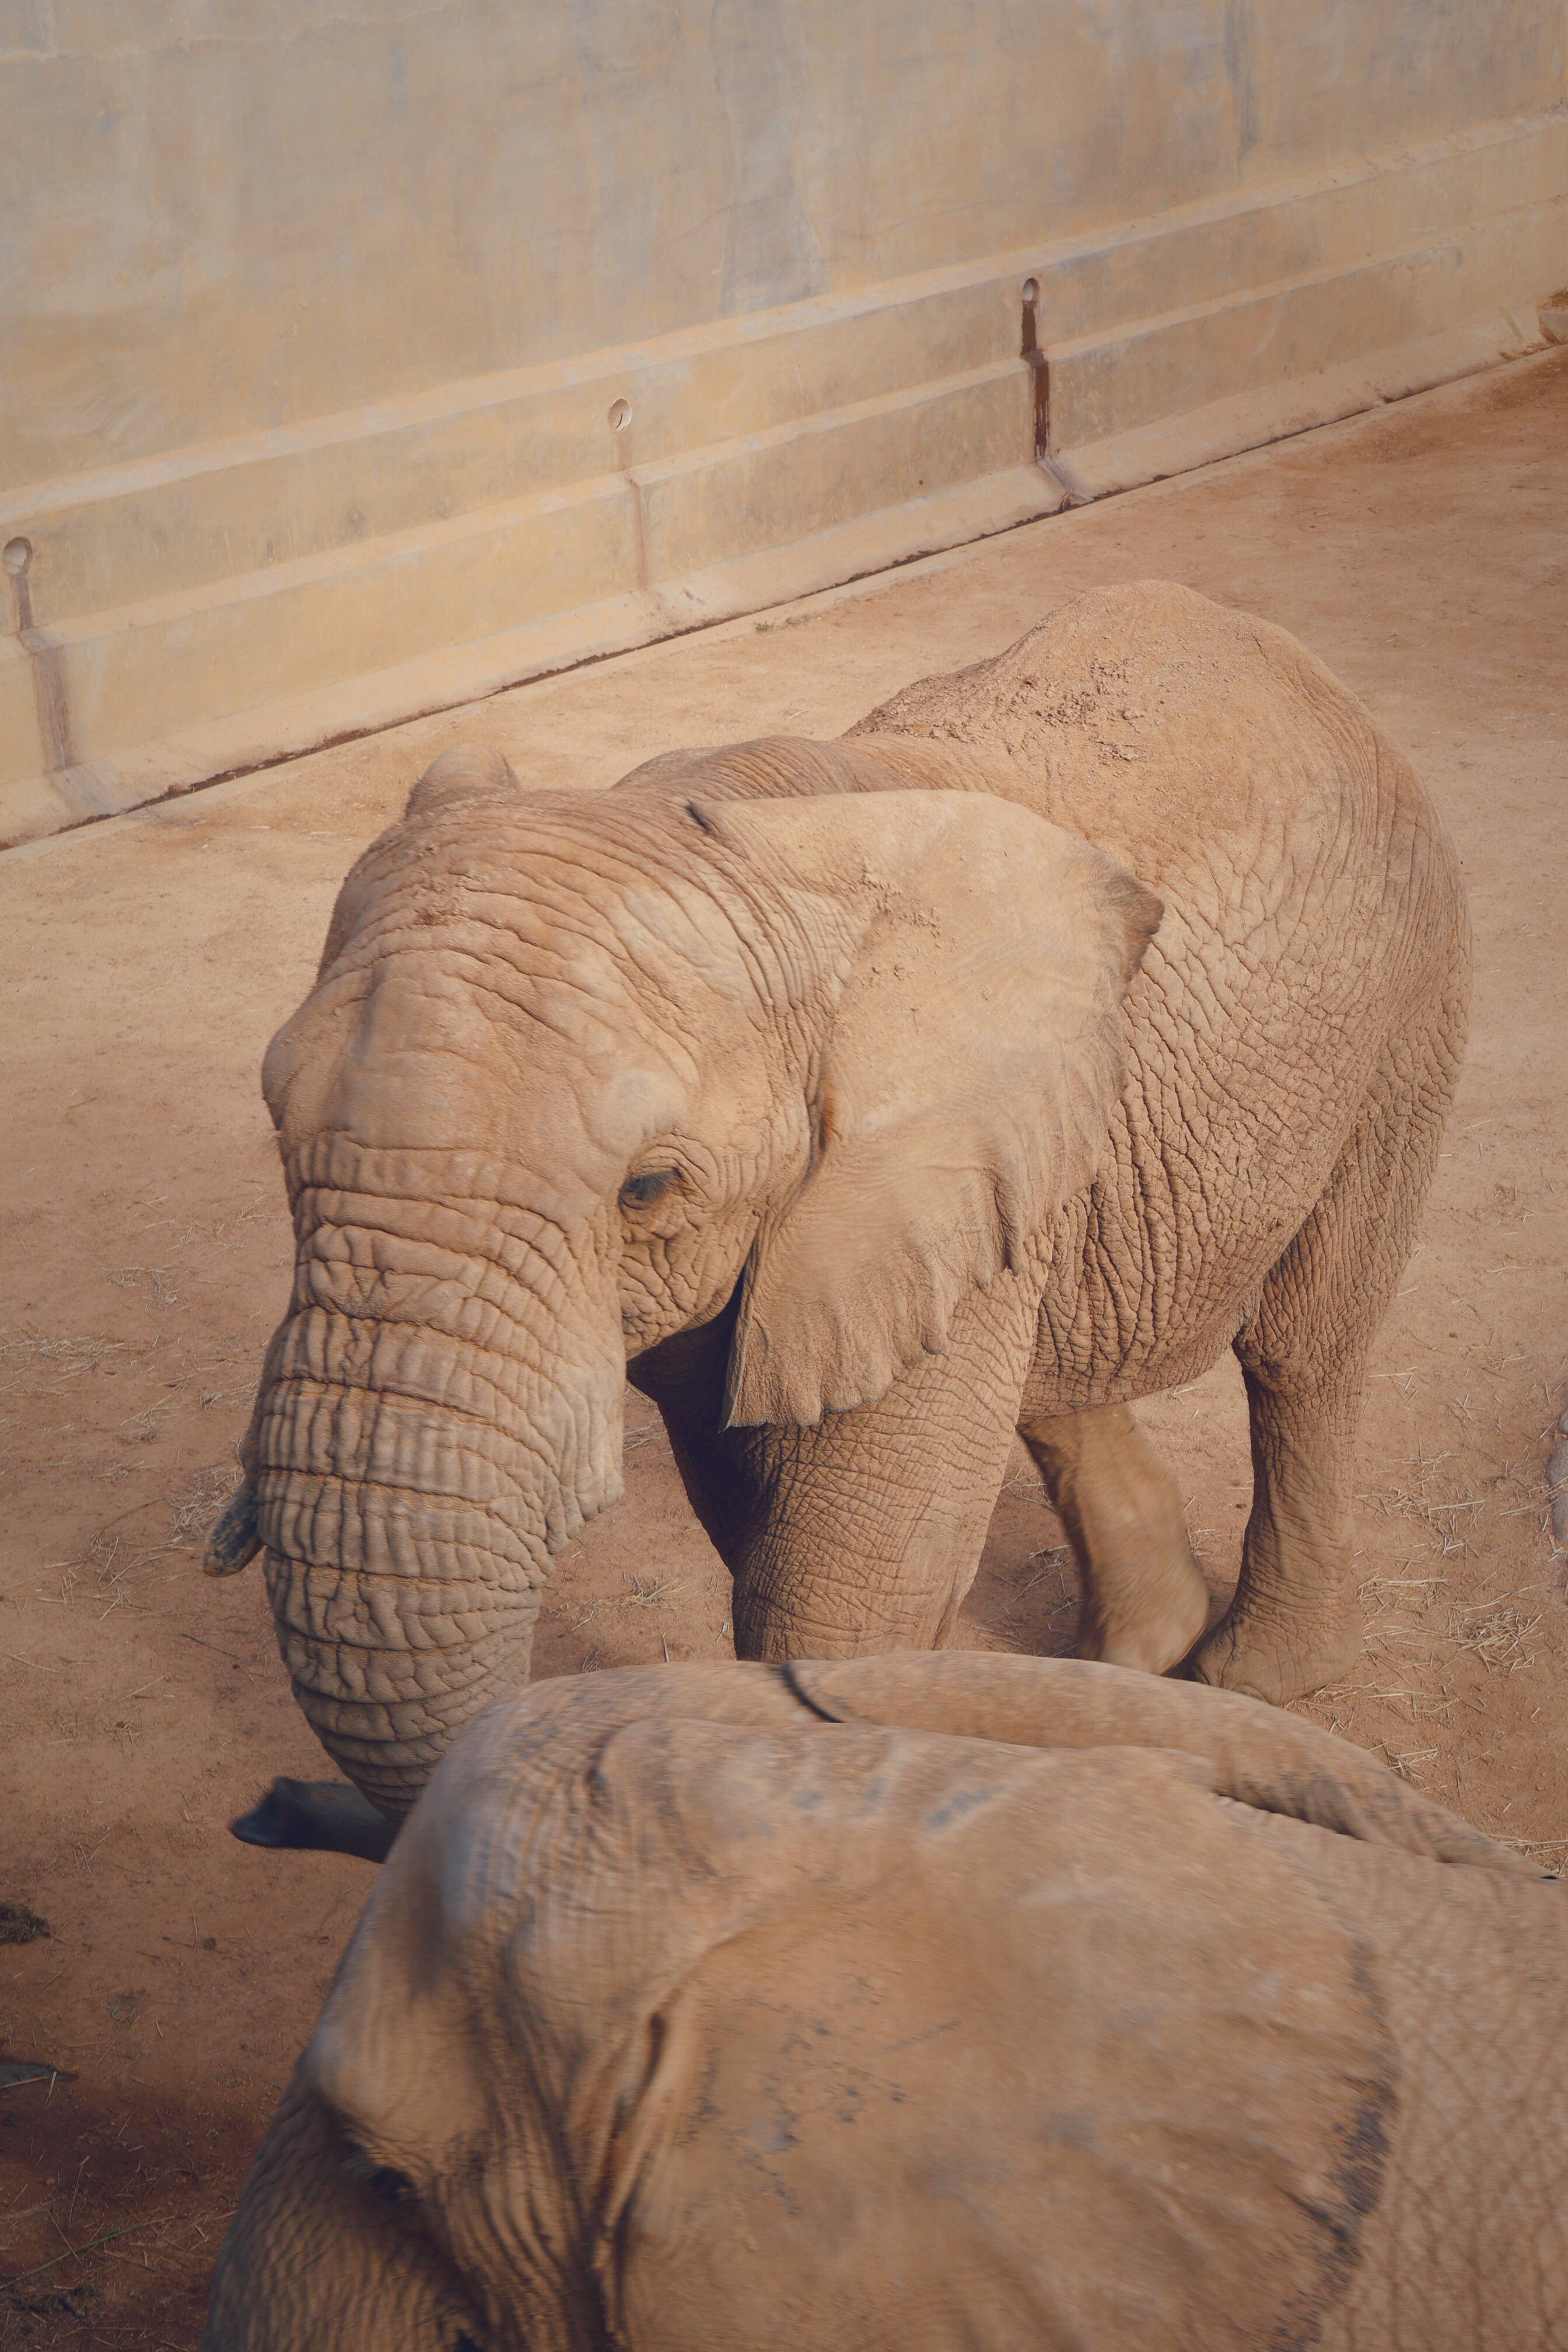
column 361, row 355
column 222, row 215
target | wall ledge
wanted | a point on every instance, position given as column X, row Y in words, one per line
column 219, row 609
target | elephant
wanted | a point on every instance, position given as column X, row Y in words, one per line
column 928, row 2000
column 864, row 1102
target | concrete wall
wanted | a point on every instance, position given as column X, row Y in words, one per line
column 344, row 337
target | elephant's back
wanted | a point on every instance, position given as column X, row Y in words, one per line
column 997, row 2047
column 1314, row 928
column 1175, row 733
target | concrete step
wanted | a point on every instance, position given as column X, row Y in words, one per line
column 40, row 804
column 292, row 629
column 1246, row 420
column 1110, row 382
column 219, row 512
column 224, row 510
column 167, row 601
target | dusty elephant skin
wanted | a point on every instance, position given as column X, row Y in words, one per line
column 920, row 2002
column 1071, row 1018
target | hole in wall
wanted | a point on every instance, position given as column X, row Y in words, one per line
column 620, row 416
column 45, row 659
column 16, row 562
column 1031, row 291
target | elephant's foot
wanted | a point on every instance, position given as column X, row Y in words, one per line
column 1146, row 1614
column 1145, row 1598
column 1279, row 1654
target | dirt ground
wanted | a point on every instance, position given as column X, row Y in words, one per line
column 1422, row 551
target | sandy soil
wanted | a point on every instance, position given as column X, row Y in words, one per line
column 1421, row 551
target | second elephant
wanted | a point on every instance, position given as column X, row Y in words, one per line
column 935, row 2002
column 1070, row 1020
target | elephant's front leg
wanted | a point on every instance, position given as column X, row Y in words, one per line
column 1145, row 1598
column 862, row 1534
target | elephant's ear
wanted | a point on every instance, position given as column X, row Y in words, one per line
column 962, row 1091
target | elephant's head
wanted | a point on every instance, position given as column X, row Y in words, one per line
column 576, row 1071
column 910, row 2000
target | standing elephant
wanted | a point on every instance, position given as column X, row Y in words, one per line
column 863, row 1101
column 920, row 2002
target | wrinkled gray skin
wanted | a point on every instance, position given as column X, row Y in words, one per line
column 920, row 2002
column 852, row 1102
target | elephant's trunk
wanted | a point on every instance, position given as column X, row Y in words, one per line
column 415, row 1463
column 400, row 1606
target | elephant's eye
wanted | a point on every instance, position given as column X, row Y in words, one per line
column 390, row 2187
column 643, row 1192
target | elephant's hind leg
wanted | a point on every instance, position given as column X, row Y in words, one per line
column 1295, row 1623
column 1145, row 1598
